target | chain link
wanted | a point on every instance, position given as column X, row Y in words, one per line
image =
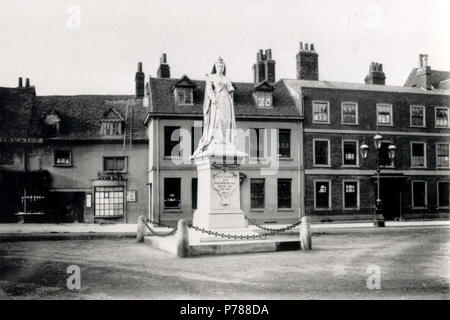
column 229, row 236
column 161, row 225
column 274, row 231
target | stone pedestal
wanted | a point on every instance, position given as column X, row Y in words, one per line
column 218, row 202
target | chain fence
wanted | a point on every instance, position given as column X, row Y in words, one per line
column 267, row 231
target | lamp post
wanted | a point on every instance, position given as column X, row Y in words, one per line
column 378, row 220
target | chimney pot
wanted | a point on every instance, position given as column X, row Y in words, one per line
column 139, row 68
column 307, row 62
column 376, row 74
column 20, row 82
column 140, row 81
column 27, row 83
column 164, row 68
column 163, row 59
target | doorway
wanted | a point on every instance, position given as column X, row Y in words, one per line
column 391, row 197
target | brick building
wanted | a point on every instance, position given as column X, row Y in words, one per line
column 339, row 117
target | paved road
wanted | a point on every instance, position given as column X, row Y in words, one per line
column 414, row 262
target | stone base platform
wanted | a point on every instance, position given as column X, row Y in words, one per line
column 217, row 247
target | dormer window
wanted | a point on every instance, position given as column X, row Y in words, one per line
column 111, row 128
column 112, row 124
column 52, row 124
column 183, row 91
column 262, row 95
column 263, row 99
column 184, row 95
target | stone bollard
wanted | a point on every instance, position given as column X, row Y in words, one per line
column 140, row 229
column 305, row 234
column 182, row 239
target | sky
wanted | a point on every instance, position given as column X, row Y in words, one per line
column 93, row 46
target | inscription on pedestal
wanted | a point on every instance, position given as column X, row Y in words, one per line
column 225, row 182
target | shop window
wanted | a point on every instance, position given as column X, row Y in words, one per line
column 172, row 193
column 284, row 193
column 109, row 201
column 257, row 193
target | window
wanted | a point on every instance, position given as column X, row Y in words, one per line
column 351, row 195
column 419, row 194
column 284, row 193
column 350, row 153
column 109, row 201
column 321, row 112
column 62, row 158
column 322, row 195
column 172, row 192
column 257, row 143
column 441, row 114
column 52, row 124
column 263, row 99
column 384, row 155
column 284, row 143
column 349, row 113
column 194, row 188
column 417, row 115
column 196, row 135
column 384, row 114
column 171, row 140
column 257, row 193
column 442, row 154
column 114, row 164
column 418, row 158
column 184, row 95
column 321, row 152
column 111, row 128
column 6, row 156
column 443, row 194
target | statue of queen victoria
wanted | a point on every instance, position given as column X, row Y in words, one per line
column 219, row 124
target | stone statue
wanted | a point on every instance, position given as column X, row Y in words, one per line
column 219, row 124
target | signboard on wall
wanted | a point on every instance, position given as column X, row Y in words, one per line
column 131, row 195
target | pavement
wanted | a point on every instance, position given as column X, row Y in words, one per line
column 66, row 231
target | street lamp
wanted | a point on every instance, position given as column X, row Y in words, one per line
column 378, row 220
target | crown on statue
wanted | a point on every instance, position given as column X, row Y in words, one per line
column 220, row 60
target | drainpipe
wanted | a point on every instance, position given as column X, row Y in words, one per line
column 157, row 218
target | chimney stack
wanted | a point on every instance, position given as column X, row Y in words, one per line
column 307, row 63
column 376, row 74
column 424, row 73
column 164, row 68
column 139, row 79
column 264, row 68
column 20, row 82
column 27, row 83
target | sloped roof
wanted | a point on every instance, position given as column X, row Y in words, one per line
column 17, row 113
column 81, row 115
column 438, row 79
column 295, row 84
column 163, row 101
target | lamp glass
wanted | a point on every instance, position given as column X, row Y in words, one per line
column 377, row 141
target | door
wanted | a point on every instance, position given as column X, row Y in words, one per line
column 390, row 196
